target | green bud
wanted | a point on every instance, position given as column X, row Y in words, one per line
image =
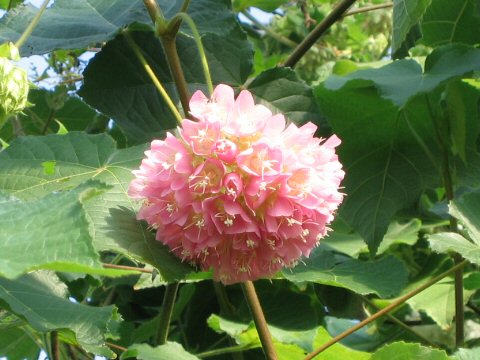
column 13, row 89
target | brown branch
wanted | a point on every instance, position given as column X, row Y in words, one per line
column 385, row 310
column 335, row 15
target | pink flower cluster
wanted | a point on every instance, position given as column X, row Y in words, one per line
column 239, row 191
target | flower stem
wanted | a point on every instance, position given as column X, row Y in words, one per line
column 170, row 46
column 198, row 41
column 282, row 39
column 153, row 77
column 259, row 319
column 28, row 31
column 385, row 310
column 166, row 313
column 335, row 15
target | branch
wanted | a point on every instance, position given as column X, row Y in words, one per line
column 367, row 9
column 335, row 15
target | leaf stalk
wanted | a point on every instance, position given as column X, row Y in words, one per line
column 166, row 313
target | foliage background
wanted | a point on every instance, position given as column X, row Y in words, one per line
column 407, row 126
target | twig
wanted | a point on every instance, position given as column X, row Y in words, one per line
column 152, row 8
column 368, row 8
column 284, row 40
column 226, row 350
column 116, row 347
column 399, row 322
column 385, row 310
column 259, row 319
column 336, row 14
column 123, row 267
column 166, row 313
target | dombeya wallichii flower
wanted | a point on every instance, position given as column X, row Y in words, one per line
column 13, row 89
column 238, row 190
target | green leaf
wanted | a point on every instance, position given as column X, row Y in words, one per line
column 438, row 301
column 402, row 80
column 39, row 298
column 406, row 13
column 116, row 84
column 15, row 343
column 265, row 5
column 70, row 24
column 290, row 345
column 282, row 91
column 5, row 4
column 407, row 351
column 466, row 208
column 80, row 157
column 170, row 350
column 452, row 242
column 467, row 354
column 50, row 233
column 384, row 277
column 352, row 244
column 448, row 21
column 389, row 148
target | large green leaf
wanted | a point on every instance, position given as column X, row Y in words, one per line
column 77, row 24
column 39, row 298
column 79, row 157
column 406, row 13
column 281, row 90
column 384, row 277
column 467, row 354
column 402, row 80
column 448, row 21
column 452, row 242
column 16, row 344
column 466, row 208
column 408, row 351
column 170, row 350
column 117, row 85
column 389, row 147
column 50, row 233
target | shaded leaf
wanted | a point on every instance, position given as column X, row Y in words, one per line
column 466, row 208
column 406, row 13
column 448, row 21
column 117, row 85
column 39, row 299
column 80, row 157
column 467, row 354
column 16, row 344
column 408, row 351
column 282, row 91
column 384, row 277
